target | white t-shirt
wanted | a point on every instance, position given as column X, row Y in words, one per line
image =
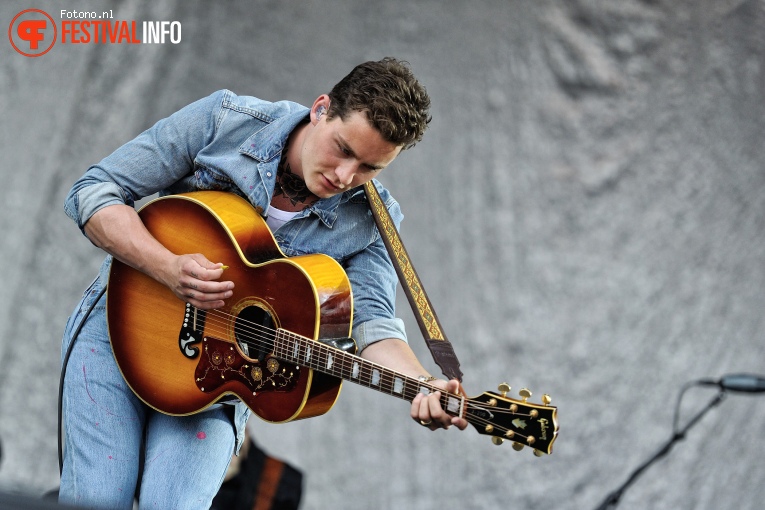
column 276, row 217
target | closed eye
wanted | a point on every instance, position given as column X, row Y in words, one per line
column 347, row 151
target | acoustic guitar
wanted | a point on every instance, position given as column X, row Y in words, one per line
column 280, row 344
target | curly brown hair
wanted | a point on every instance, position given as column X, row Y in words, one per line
column 396, row 104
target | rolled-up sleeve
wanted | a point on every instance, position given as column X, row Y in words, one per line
column 375, row 330
column 151, row 162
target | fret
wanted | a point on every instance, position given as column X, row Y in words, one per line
column 319, row 355
column 398, row 385
column 328, row 360
column 355, row 370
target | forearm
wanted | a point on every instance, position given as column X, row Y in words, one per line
column 395, row 354
column 426, row 409
column 118, row 230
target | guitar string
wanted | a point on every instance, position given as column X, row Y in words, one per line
column 471, row 418
column 268, row 341
column 268, row 337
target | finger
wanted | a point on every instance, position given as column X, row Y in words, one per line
column 419, row 413
column 199, row 279
column 214, row 289
column 436, row 412
column 423, row 411
column 205, row 295
column 414, row 411
column 199, row 267
column 453, row 386
column 460, row 423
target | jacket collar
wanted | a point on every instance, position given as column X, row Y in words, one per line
column 326, row 208
column 268, row 142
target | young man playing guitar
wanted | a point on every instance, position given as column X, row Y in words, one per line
column 302, row 169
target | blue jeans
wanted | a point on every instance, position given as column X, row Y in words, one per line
column 107, row 430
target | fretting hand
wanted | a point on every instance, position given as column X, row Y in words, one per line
column 427, row 411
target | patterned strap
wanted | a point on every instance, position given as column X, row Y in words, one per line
column 439, row 346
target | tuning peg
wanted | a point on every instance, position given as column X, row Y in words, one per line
column 546, row 399
column 504, row 388
column 497, row 440
column 537, row 453
column 518, row 446
column 525, row 394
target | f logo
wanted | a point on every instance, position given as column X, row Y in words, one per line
column 29, row 29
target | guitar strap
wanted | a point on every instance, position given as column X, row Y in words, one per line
column 439, row 346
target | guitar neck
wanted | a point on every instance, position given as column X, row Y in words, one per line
column 329, row 360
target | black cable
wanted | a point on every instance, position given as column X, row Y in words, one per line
column 63, row 373
column 613, row 498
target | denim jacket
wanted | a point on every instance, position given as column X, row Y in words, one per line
column 234, row 143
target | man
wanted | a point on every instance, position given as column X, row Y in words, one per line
column 303, row 168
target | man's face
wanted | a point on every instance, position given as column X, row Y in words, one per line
column 341, row 154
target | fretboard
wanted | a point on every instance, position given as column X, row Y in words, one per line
column 328, row 360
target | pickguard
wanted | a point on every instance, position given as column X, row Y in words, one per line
column 221, row 364
column 191, row 331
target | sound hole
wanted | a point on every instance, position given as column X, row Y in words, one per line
column 255, row 331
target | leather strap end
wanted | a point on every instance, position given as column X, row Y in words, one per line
column 444, row 356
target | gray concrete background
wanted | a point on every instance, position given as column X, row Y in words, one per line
column 587, row 213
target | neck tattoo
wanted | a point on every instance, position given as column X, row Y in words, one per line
column 291, row 186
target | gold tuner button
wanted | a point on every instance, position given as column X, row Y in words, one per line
column 497, row 440
column 537, row 453
column 534, row 413
column 509, row 434
column 492, row 402
column 525, row 394
column 504, row 388
column 531, row 440
column 517, row 446
column 546, row 399
column 513, row 408
column 489, row 428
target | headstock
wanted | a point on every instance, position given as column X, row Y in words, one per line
column 524, row 423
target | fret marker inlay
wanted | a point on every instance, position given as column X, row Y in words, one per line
column 453, row 405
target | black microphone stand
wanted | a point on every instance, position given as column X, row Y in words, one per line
column 613, row 499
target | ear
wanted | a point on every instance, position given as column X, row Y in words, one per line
column 319, row 109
